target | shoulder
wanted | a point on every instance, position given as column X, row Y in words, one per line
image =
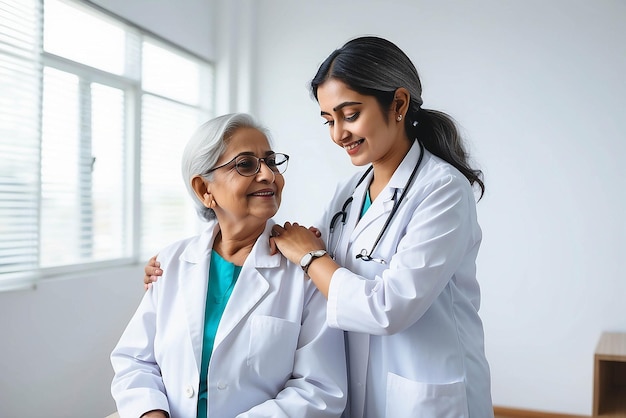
column 437, row 174
column 174, row 250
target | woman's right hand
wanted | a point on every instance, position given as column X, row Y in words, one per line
column 152, row 272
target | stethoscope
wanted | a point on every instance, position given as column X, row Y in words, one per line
column 342, row 215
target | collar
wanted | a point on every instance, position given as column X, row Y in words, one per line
column 198, row 249
column 403, row 172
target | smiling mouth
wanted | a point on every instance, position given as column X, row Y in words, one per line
column 263, row 193
column 353, row 145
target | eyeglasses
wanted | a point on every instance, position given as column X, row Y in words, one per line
column 249, row 165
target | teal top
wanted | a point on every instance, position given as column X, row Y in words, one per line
column 367, row 203
column 222, row 277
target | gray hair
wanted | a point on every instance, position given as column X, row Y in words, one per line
column 205, row 148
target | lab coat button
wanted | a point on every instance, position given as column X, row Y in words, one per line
column 221, row 385
column 189, row 391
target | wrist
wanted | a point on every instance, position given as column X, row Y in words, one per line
column 308, row 258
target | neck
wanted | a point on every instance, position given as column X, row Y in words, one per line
column 235, row 244
column 386, row 166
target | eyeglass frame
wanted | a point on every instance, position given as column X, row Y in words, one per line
column 258, row 164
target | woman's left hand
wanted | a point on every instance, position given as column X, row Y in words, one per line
column 294, row 240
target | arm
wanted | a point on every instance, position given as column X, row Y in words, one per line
column 318, row 384
column 294, row 241
column 137, row 386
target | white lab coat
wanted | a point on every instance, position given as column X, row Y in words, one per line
column 274, row 355
column 415, row 340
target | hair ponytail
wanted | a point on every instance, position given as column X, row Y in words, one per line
column 438, row 133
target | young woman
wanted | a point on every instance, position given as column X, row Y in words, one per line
column 397, row 254
column 398, row 257
column 230, row 329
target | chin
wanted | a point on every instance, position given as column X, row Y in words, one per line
column 359, row 161
column 270, row 213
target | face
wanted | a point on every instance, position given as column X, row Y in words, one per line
column 360, row 127
column 239, row 198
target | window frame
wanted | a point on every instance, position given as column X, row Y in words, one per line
column 131, row 85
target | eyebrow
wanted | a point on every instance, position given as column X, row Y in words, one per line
column 341, row 106
column 270, row 152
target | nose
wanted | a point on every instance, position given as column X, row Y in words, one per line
column 265, row 173
column 339, row 133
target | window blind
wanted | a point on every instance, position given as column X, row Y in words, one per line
column 90, row 140
column 167, row 211
column 176, row 100
column 20, row 92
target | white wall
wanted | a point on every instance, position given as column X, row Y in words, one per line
column 56, row 341
column 537, row 87
column 539, row 90
column 187, row 23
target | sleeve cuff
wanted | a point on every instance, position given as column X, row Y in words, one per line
column 332, row 305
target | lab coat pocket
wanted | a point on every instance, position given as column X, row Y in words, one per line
column 272, row 349
column 408, row 398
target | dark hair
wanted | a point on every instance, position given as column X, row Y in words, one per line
column 376, row 67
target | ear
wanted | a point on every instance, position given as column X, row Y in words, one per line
column 201, row 187
column 401, row 101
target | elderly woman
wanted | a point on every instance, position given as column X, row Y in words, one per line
column 230, row 329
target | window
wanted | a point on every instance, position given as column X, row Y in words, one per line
column 95, row 114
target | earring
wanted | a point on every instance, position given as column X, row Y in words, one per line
column 399, row 118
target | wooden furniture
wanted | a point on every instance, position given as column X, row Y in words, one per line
column 609, row 377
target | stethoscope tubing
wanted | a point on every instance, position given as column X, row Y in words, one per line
column 343, row 213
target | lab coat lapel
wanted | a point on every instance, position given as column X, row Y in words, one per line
column 251, row 285
column 379, row 208
column 383, row 205
column 194, row 268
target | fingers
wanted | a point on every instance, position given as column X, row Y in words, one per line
column 152, row 271
column 316, row 231
column 273, row 247
column 154, row 263
column 152, row 266
column 149, row 279
column 278, row 230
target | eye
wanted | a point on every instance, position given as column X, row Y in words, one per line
column 271, row 161
column 353, row 117
column 329, row 122
column 245, row 162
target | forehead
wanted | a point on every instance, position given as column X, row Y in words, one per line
column 333, row 92
column 246, row 139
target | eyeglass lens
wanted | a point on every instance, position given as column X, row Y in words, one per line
column 249, row 165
